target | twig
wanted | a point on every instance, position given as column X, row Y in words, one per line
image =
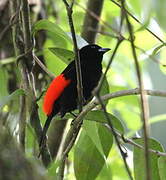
column 14, row 6
column 22, row 121
column 27, row 33
column 35, row 123
column 74, row 129
column 151, row 56
column 108, row 25
column 138, row 21
column 97, row 95
column 43, row 66
column 24, row 52
column 98, row 18
column 144, row 103
column 69, row 9
column 70, row 135
column 130, row 141
column 98, row 88
column 114, row 134
column 94, row 6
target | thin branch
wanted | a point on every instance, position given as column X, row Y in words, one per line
column 144, row 103
column 27, row 33
column 14, row 6
column 98, row 88
column 94, row 6
column 23, row 50
column 151, row 56
column 97, row 95
column 22, row 121
column 113, row 95
column 98, row 18
column 77, row 56
column 114, row 30
column 76, row 125
column 114, row 134
column 45, row 69
column 70, row 136
column 130, row 141
column 138, row 21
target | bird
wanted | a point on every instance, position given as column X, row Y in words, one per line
column 61, row 96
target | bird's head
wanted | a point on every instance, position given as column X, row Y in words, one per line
column 92, row 52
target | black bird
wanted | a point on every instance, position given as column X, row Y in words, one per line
column 61, row 96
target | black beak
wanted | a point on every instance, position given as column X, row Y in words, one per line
column 104, row 50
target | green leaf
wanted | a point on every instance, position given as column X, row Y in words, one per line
column 139, row 160
column 88, row 161
column 51, row 27
column 160, row 7
column 100, row 136
column 53, row 63
column 135, row 6
column 105, row 89
column 105, row 173
column 64, row 54
column 80, row 41
column 99, row 116
column 157, row 118
column 7, row 60
column 158, row 49
column 7, row 99
column 4, row 82
column 162, row 167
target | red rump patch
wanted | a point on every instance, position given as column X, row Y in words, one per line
column 53, row 92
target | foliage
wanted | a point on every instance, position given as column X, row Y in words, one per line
column 95, row 154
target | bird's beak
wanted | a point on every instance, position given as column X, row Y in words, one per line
column 104, row 50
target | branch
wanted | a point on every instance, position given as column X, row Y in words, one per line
column 113, row 95
column 138, row 21
column 76, row 125
column 130, row 141
column 70, row 136
column 98, row 97
column 94, row 6
column 114, row 30
column 144, row 103
column 23, row 53
column 114, row 134
column 69, row 9
column 98, row 88
column 98, row 18
column 16, row 31
column 151, row 56
column 37, row 60
column 22, row 121
column 27, row 33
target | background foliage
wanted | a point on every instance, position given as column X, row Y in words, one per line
column 95, row 155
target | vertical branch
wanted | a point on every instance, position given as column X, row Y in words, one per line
column 16, row 34
column 28, row 59
column 23, row 51
column 70, row 137
column 69, row 9
column 144, row 103
column 97, row 94
column 22, row 121
column 98, row 88
column 27, row 33
column 115, row 136
column 90, row 22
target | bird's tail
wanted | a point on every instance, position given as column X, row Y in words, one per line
column 45, row 128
